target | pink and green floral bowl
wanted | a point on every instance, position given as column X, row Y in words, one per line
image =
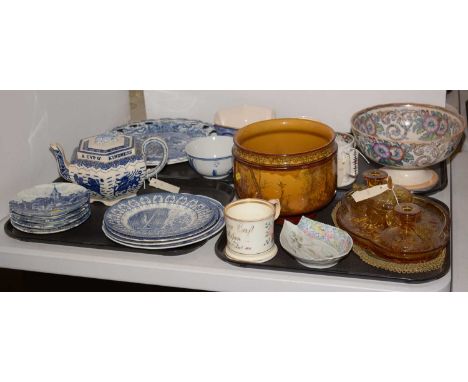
column 407, row 135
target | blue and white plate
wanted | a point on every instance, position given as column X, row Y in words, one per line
column 50, row 219
column 52, row 230
column 159, row 215
column 48, row 200
column 49, row 225
column 176, row 132
column 199, row 232
column 181, row 243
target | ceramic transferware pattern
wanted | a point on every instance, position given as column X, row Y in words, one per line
column 50, row 225
column 49, row 199
column 109, row 165
column 218, row 208
column 159, row 215
column 49, row 219
column 177, row 133
column 315, row 244
column 335, row 237
column 407, row 135
column 52, row 230
column 298, row 244
column 216, row 228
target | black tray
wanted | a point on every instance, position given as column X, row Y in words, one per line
column 90, row 235
column 439, row 168
column 350, row 266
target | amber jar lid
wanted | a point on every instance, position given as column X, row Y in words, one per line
column 284, row 142
column 375, row 177
column 407, row 212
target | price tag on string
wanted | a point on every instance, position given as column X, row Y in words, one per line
column 156, row 183
column 370, row 192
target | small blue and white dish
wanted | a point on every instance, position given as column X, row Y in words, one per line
column 48, row 200
column 37, row 225
column 159, row 215
column 50, row 219
column 177, row 133
column 45, row 231
column 50, row 208
column 211, row 156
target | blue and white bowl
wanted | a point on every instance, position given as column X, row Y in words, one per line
column 211, row 156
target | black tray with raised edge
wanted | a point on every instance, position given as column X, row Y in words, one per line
column 350, row 266
column 90, row 235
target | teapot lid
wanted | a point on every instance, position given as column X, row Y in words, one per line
column 107, row 147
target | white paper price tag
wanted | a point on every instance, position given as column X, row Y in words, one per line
column 369, row 192
column 156, row 183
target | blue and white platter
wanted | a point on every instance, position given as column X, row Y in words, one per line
column 49, row 200
column 177, row 133
column 175, row 239
column 159, row 216
column 181, row 243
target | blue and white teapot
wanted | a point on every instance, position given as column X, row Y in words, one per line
column 109, row 165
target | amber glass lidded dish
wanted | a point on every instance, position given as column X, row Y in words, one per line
column 290, row 159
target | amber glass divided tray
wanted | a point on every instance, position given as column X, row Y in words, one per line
column 350, row 266
column 439, row 168
column 90, row 235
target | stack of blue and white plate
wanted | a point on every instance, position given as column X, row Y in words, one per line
column 163, row 220
column 50, row 208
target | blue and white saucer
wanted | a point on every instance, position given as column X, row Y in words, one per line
column 177, row 133
column 159, row 216
column 52, row 230
column 47, row 200
column 50, row 219
column 43, row 226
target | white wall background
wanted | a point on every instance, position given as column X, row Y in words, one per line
column 31, row 120
column 334, row 107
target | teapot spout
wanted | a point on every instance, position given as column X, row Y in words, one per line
column 62, row 163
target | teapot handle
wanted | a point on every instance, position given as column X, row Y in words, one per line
column 155, row 170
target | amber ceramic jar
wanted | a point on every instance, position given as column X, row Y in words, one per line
column 291, row 159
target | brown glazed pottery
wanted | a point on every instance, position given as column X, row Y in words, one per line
column 291, row 159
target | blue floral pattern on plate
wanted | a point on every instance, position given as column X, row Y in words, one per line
column 176, row 132
column 159, row 215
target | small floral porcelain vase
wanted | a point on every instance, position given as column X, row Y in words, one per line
column 109, row 165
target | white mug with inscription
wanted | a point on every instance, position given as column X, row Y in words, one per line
column 250, row 228
column 347, row 159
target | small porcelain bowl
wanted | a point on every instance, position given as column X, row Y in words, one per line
column 314, row 244
column 211, row 156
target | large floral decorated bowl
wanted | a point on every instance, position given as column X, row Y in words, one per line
column 408, row 137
